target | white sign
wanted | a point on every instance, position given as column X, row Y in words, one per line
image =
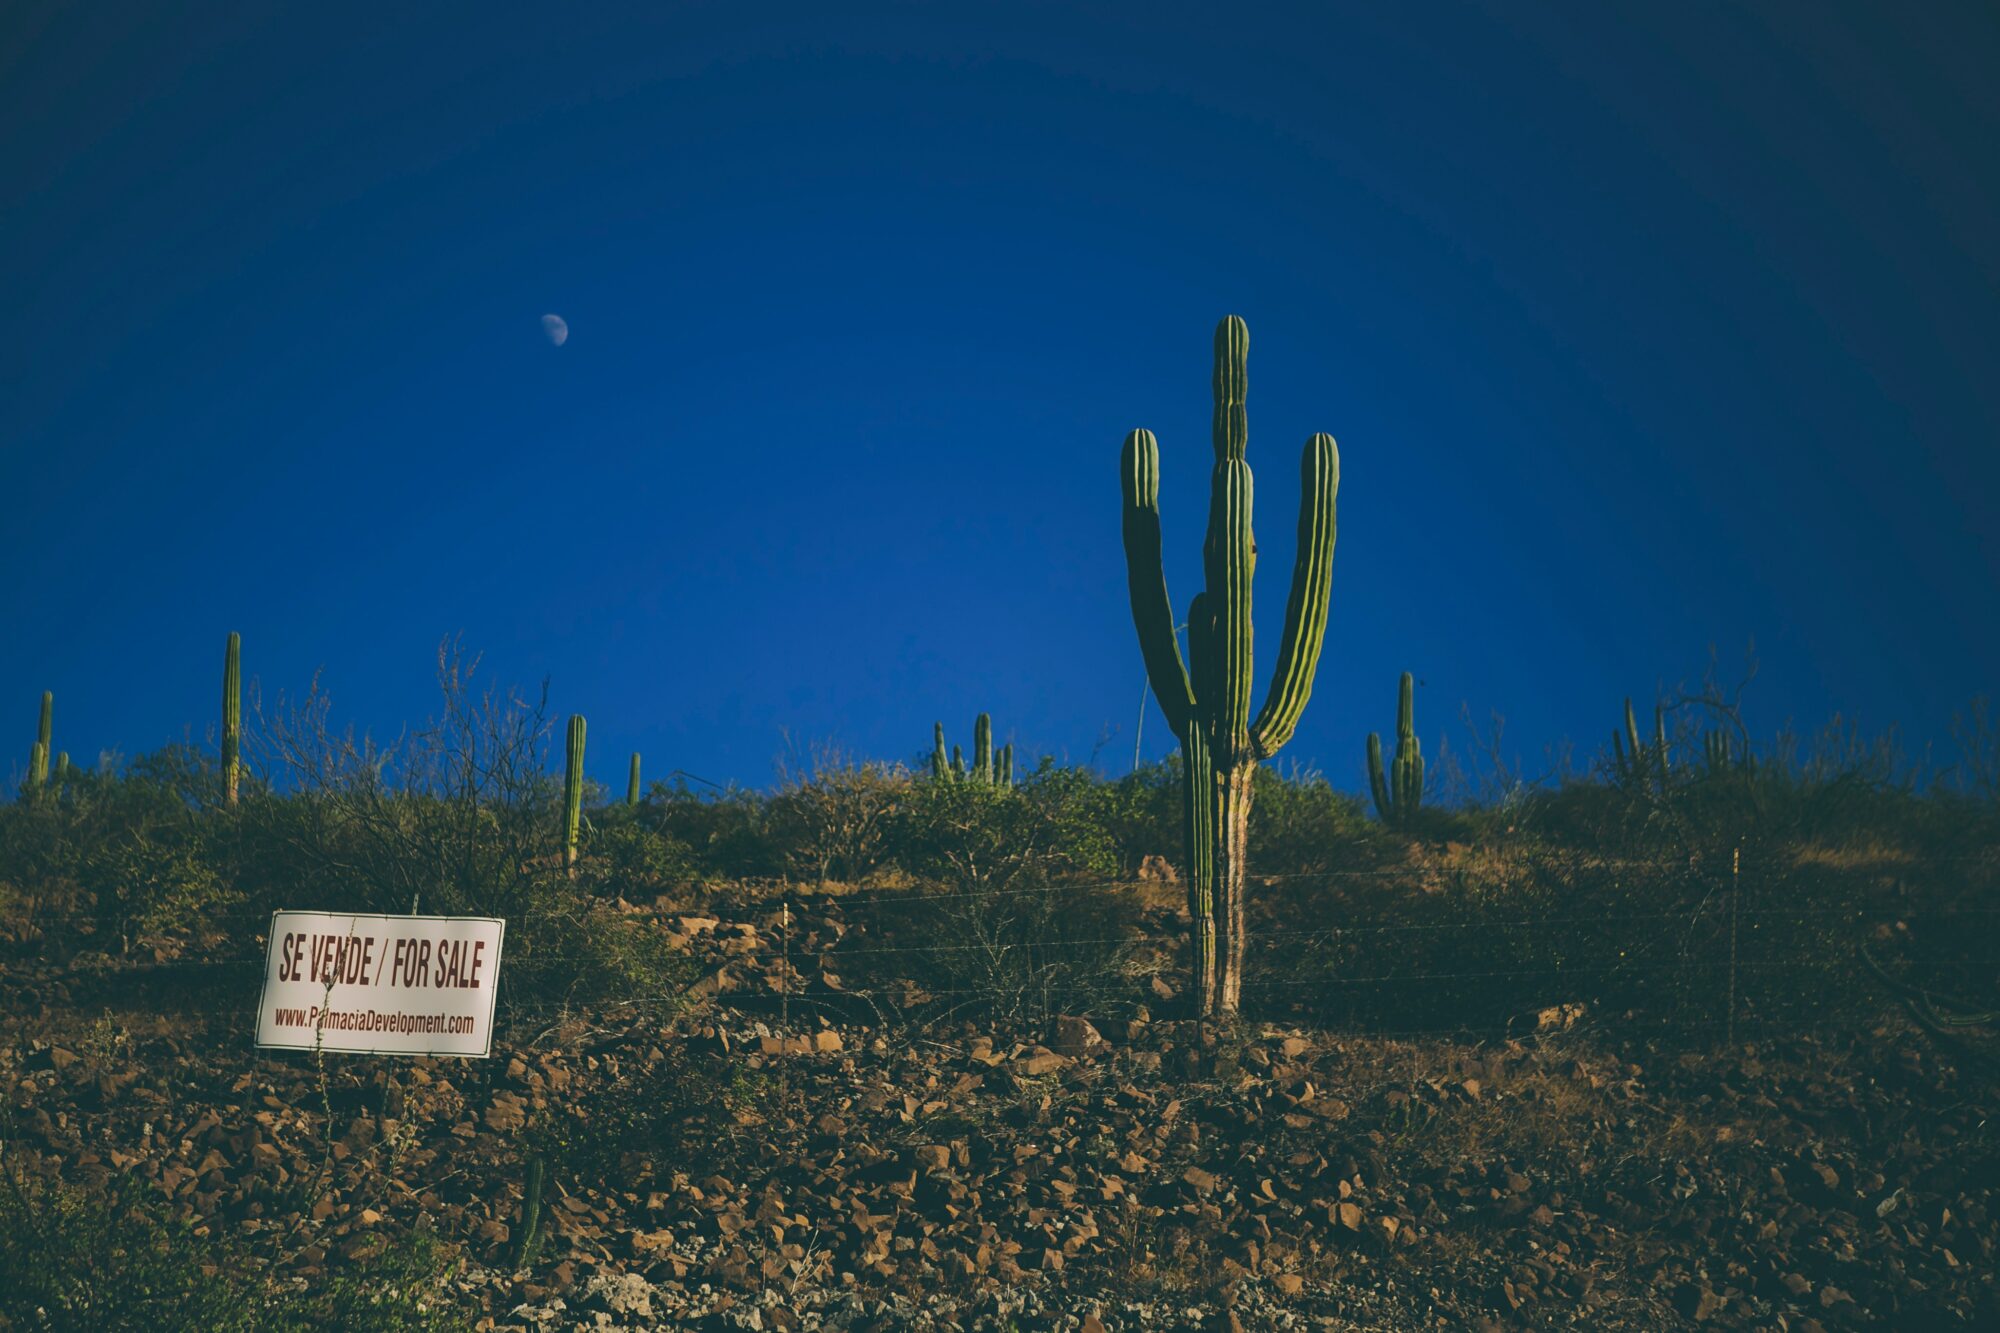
column 384, row 985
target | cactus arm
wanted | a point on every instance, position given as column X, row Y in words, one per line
column 982, row 748
column 940, row 761
column 1006, row 778
column 1306, row 609
column 632, row 781
column 1660, row 742
column 232, row 717
column 1146, row 580
column 573, row 789
column 1632, row 732
column 38, row 763
column 1232, row 389
column 957, row 762
column 1378, row 786
column 1231, row 560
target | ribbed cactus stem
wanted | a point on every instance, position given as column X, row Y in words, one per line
column 1208, row 707
column 632, row 782
column 38, row 763
column 1409, row 765
column 1006, row 762
column 573, row 790
column 1401, row 792
column 957, row 762
column 531, row 1212
column 62, row 767
column 232, row 717
column 940, row 759
column 1660, row 742
column 1378, row 783
column 982, row 748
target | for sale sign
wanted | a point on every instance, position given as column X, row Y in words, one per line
column 384, row 985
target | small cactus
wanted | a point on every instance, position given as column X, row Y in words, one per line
column 573, row 791
column 531, row 1212
column 232, row 717
column 632, row 782
column 1399, row 795
column 989, row 767
column 1631, row 759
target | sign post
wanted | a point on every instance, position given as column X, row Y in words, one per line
column 381, row 985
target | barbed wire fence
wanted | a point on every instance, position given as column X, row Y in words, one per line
column 1758, row 951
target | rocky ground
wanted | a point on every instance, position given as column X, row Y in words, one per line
column 777, row 1152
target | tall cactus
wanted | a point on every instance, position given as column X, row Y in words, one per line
column 1398, row 796
column 1209, row 706
column 232, row 717
column 38, row 758
column 632, row 782
column 990, row 767
column 573, row 791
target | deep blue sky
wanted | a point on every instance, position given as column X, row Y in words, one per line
column 1641, row 327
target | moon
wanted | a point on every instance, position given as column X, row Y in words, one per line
column 556, row 328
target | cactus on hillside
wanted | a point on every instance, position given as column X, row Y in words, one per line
column 632, row 781
column 573, row 791
column 38, row 760
column 990, row 767
column 1209, row 706
column 1635, row 763
column 531, row 1212
column 232, row 717
column 1398, row 796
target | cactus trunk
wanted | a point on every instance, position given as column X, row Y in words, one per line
column 232, row 718
column 573, row 791
column 632, row 782
column 1209, row 708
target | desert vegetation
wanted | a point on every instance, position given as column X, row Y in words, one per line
column 1695, row 1031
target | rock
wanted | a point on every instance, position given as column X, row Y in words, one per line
column 622, row 1294
column 1156, row 869
column 1288, row 1284
column 1558, row 1018
column 933, row 1157
column 1039, row 1061
column 826, row 1040
column 1075, row 1037
column 506, row 1112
